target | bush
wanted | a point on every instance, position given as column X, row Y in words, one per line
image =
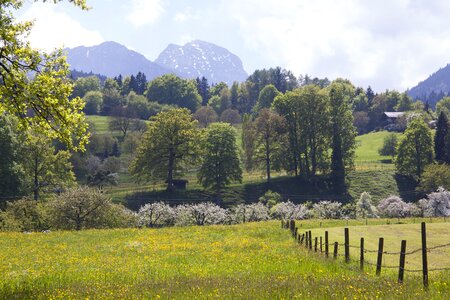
column 249, row 213
column 437, row 204
column 327, row 210
column 435, row 176
column 364, row 207
column 270, row 198
column 288, row 210
column 24, row 215
column 200, row 214
column 83, row 208
column 156, row 214
column 395, row 207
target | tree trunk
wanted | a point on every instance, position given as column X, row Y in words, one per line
column 36, row 180
column 170, row 168
column 268, row 160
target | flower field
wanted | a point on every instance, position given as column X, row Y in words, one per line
column 253, row 260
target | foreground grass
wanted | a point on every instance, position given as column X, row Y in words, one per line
column 256, row 260
column 437, row 234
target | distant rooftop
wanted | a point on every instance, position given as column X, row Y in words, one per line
column 394, row 114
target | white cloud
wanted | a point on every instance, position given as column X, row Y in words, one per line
column 54, row 29
column 387, row 44
column 144, row 12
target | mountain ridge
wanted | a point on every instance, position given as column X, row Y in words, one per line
column 194, row 59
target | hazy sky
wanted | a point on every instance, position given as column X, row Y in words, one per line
column 388, row 44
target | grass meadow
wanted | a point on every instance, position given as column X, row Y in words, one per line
column 247, row 261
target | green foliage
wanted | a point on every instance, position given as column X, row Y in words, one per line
column 171, row 144
column 37, row 82
column 25, row 215
column 266, row 97
column 415, row 149
column 170, row 89
column 270, row 139
column 443, row 105
column 83, row 85
column 270, row 198
column 389, row 145
column 441, row 139
column 435, row 176
column 45, row 168
column 230, row 116
column 221, row 164
column 94, row 102
column 11, row 173
column 206, row 115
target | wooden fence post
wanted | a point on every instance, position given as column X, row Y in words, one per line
column 282, row 224
column 401, row 267
column 292, row 226
column 424, row 256
column 321, row 245
column 306, row 239
column 315, row 244
column 361, row 255
column 347, row 245
column 310, row 240
column 380, row 255
column 335, row 253
column 295, row 232
column 326, row 243
column 302, row 238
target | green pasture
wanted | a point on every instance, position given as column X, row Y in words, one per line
column 253, row 260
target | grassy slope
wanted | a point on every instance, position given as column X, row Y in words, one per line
column 256, row 260
column 372, row 174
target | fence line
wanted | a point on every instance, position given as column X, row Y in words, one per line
column 300, row 238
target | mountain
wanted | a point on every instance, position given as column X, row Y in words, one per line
column 198, row 58
column 195, row 59
column 434, row 87
column 111, row 59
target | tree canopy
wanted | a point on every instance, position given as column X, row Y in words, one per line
column 34, row 85
column 171, row 144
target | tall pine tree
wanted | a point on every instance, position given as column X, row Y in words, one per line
column 442, row 130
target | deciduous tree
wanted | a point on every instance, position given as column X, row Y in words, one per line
column 221, row 164
column 34, row 85
column 415, row 149
column 171, row 143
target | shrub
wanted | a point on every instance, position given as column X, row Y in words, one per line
column 24, row 215
column 327, row 210
column 200, row 214
column 83, row 207
column 395, row 207
column 249, row 213
column 435, row 176
column 364, row 207
column 270, row 198
column 437, row 204
column 156, row 214
column 288, row 210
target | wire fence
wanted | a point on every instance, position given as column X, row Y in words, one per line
column 323, row 245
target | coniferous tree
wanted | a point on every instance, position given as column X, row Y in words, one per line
column 203, row 89
column 370, row 95
column 141, row 83
column 442, row 131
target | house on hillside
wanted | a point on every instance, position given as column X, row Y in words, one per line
column 391, row 120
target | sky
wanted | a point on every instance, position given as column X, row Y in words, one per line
column 387, row 44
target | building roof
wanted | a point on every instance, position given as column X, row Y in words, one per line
column 394, row 114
